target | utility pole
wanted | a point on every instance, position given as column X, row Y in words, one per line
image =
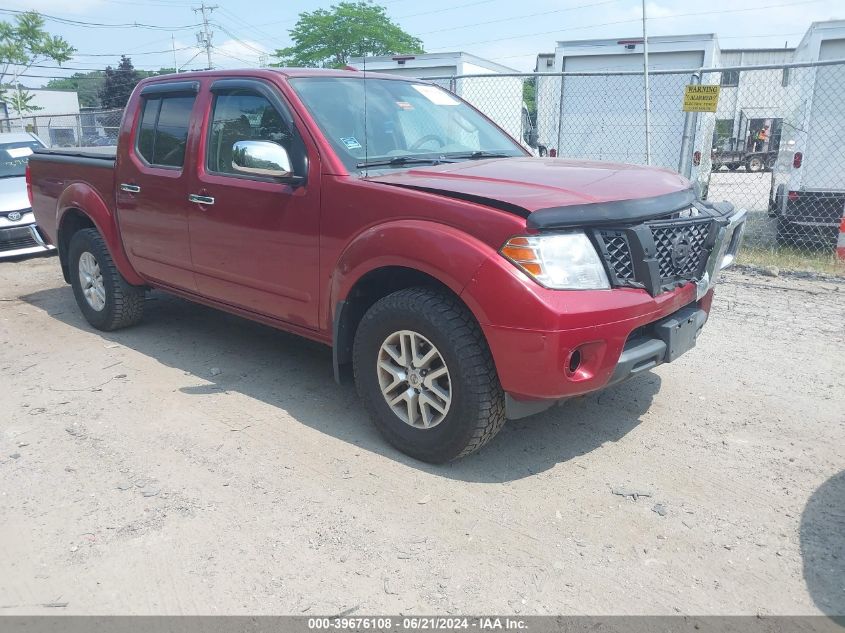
column 204, row 36
column 646, row 91
column 173, row 43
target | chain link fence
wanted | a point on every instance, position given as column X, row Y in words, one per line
column 775, row 145
column 86, row 129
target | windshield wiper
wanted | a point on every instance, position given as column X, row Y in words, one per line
column 398, row 161
column 478, row 154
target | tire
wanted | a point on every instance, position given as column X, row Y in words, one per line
column 476, row 411
column 754, row 164
column 785, row 233
column 112, row 303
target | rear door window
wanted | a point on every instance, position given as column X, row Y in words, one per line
column 163, row 130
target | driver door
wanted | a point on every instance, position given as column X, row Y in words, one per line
column 254, row 239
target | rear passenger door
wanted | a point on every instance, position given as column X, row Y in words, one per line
column 153, row 178
column 254, row 239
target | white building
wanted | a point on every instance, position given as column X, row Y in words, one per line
column 749, row 101
column 55, row 118
column 500, row 98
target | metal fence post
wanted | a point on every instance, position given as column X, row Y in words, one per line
column 685, row 159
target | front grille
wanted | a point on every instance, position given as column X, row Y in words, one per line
column 656, row 255
column 618, row 254
column 670, row 238
column 13, row 239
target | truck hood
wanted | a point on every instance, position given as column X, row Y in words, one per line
column 13, row 194
column 552, row 192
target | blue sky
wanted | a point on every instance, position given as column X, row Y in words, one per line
column 511, row 33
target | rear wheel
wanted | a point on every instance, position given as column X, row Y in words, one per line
column 426, row 376
column 106, row 299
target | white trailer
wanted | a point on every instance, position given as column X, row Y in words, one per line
column 603, row 115
column 808, row 187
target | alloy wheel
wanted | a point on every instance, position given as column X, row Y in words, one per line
column 414, row 379
column 91, row 280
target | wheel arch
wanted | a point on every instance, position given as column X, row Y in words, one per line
column 72, row 221
column 367, row 290
column 80, row 206
column 391, row 257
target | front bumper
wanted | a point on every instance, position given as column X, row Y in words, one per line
column 17, row 240
column 550, row 345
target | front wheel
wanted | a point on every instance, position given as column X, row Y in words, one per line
column 426, row 376
column 106, row 299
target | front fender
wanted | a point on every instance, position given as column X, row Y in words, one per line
column 443, row 252
column 84, row 198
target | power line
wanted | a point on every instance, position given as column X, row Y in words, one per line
column 240, row 41
column 99, row 25
column 130, row 54
column 219, row 52
column 452, row 8
column 660, row 17
column 519, row 17
column 244, row 23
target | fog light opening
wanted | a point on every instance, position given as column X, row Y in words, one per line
column 574, row 361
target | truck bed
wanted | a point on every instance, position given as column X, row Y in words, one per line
column 85, row 174
column 105, row 153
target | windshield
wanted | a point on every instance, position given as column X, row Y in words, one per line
column 14, row 156
column 406, row 122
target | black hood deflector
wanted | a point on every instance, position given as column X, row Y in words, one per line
column 613, row 212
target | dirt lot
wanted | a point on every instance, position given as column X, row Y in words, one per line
column 200, row 463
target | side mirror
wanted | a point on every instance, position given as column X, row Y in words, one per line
column 261, row 158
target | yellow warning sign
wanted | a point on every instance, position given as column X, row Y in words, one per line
column 701, row 98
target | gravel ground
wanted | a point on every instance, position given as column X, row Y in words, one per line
column 200, row 463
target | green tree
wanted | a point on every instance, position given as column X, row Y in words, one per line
column 86, row 85
column 529, row 97
column 23, row 43
column 118, row 84
column 89, row 85
column 327, row 38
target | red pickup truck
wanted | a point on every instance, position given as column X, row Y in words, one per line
column 460, row 280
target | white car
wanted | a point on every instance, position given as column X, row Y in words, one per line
column 18, row 233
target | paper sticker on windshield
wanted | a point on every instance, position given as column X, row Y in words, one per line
column 436, row 95
column 19, row 152
column 351, row 142
column 404, row 105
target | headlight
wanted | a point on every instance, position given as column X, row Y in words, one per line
column 563, row 261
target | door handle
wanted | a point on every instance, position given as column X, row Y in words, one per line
column 204, row 200
column 130, row 188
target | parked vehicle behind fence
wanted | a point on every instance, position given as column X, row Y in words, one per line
column 808, row 193
column 459, row 280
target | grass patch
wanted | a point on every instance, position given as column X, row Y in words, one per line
column 786, row 258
